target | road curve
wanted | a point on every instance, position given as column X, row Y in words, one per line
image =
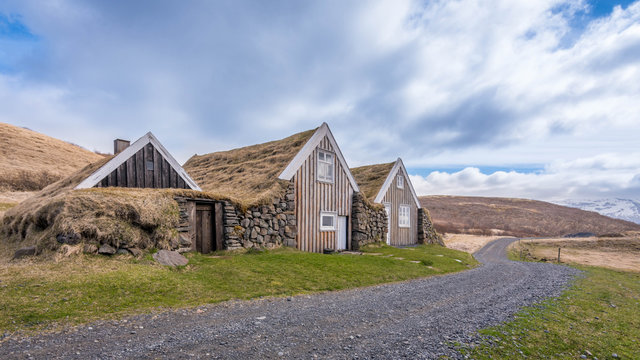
column 413, row 319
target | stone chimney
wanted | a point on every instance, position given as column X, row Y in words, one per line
column 119, row 145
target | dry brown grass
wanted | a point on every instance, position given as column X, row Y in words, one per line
column 248, row 175
column 370, row 178
column 467, row 243
column 516, row 217
column 621, row 253
column 30, row 160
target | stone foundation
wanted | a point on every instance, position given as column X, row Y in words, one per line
column 426, row 232
column 368, row 223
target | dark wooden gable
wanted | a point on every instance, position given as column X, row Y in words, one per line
column 145, row 169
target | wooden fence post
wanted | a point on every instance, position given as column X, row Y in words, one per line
column 559, row 255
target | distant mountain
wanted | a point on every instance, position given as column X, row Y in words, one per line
column 625, row 209
column 517, row 217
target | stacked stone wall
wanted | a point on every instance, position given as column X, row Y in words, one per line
column 263, row 226
column 368, row 222
column 426, row 232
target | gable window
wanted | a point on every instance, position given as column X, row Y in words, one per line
column 327, row 221
column 325, row 166
column 404, row 216
column 400, row 182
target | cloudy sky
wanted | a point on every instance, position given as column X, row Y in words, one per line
column 536, row 99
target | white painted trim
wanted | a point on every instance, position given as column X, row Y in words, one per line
column 399, row 165
column 307, row 149
column 334, row 215
column 333, row 162
column 125, row 154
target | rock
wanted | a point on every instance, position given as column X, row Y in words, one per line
column 170, row 258
column 69, row 238
column 185, row 241
column 183, row 250
column 27, row 251
column 135, row 252
column 588, row 353
column 122, row 252
column 106, row 249
column 583, row 356
column 614, row 355
column 90, row 249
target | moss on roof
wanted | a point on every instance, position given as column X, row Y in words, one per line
column 370, row 178
column 248, row 175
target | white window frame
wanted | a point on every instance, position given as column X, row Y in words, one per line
column 323, row 162
column 332, row 214
column 400, row 182
column 404, row 216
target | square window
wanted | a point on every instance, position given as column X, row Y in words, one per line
column 149, row 165
column 327, row 221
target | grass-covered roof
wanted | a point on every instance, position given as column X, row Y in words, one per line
column 249, row 174
column 371, row 177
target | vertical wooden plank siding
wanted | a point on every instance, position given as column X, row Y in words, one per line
column 157, row 169
column 397, row 197
column 314, row 197
column 140, row 168
column 133, row 172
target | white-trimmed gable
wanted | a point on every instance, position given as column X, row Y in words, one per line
column 307, row 149
column 397, row 167
column 124, row 155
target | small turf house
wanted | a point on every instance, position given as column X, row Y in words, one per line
column 389, row 185
column 143, row 164
column 296, row 191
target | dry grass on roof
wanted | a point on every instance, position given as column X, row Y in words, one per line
column 371, row 177
column 249, row 175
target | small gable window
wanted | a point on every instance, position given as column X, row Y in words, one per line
column 404, row 216
column 149, row 165
column 325, row 166
column 327, row 221
column 400, row 182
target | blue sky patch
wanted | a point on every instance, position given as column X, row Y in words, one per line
column 487, row 170
column 12, row 27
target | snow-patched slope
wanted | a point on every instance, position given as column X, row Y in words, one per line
column 625, row 209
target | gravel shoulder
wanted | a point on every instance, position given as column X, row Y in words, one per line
column 421, row 319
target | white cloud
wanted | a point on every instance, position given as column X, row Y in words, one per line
column 484, row 83
column 603, row 176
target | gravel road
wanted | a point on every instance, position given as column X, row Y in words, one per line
column 413, row 319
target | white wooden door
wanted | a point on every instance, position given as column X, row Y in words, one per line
column 387, row 209
column 342, row 233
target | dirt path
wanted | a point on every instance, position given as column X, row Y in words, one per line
column 415, row 319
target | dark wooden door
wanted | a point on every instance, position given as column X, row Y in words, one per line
column 204, row 229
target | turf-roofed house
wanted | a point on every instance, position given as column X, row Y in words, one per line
column 127, row 202
column 295, row 192
column 389, row 185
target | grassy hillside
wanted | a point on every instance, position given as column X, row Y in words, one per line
column 516, row 217
column 30, row 161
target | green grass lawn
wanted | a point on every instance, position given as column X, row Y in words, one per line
column 84, row 288
column 600, row 314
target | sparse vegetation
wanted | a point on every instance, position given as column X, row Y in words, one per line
column 597, row 317
column 37, row 294
column 24, row 180
column 516, row 217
